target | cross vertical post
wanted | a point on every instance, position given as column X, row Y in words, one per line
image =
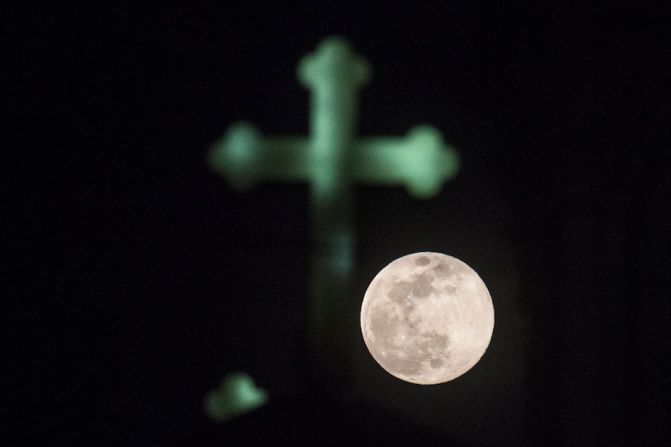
column 334, row 76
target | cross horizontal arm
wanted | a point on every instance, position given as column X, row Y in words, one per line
column 421, row 161
column 245, row 157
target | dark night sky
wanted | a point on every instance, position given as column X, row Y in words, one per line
column 138, row 278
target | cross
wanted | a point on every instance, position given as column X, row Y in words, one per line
column 332, row 161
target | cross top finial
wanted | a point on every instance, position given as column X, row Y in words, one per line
column 333, row 63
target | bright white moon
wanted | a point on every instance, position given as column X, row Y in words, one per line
column 427, row 318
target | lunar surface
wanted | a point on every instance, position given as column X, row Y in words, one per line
column 427, row 318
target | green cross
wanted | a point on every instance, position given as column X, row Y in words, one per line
column 333, row 161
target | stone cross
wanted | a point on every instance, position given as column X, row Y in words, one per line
column 332, row 161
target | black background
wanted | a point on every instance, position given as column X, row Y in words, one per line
column 138, row 278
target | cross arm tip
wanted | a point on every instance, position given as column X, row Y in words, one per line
column 235, row 155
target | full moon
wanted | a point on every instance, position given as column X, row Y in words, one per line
column 427, row 318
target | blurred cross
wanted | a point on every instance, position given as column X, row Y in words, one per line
column 332, row 161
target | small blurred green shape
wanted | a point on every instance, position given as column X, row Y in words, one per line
column 236, row 395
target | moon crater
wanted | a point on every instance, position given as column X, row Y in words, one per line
column 427, row 318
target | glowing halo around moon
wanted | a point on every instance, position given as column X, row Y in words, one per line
column 427, row 318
